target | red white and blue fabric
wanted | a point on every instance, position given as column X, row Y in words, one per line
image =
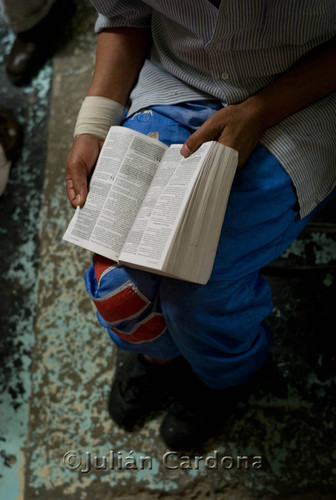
column 126, row 302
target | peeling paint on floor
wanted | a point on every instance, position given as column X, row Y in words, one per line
column 20, row 224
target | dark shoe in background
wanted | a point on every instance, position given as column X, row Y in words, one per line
column 10, row 144
column 33, row 47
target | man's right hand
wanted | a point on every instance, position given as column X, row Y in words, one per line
column 80, row 162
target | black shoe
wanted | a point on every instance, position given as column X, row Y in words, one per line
column 203, row 412
column 140, row 387
column 190, row 422
column 10, row 134
column 11, row 143
column 33, row 47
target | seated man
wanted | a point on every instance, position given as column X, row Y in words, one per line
column 261, row 80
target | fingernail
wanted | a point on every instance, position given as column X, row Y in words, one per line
column 185, row 151
column 78, row 199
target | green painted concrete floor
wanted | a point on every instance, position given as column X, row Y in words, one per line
column 57, row 364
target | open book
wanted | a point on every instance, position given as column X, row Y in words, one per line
column 152, row 209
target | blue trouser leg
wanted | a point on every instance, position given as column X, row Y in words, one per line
column 225, row 336
column 219, row 327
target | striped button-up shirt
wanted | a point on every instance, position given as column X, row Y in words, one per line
column 229, row 53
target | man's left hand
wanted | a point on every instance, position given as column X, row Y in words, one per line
column 238, row 126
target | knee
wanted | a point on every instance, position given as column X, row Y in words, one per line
column 115, row 294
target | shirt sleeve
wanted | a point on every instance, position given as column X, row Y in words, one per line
column 121, row 13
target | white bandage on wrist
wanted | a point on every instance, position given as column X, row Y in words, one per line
column 96, row 116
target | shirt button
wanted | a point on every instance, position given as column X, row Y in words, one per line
column 225, row 76
column 218, row 44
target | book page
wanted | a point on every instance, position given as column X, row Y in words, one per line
column 194, row 247
column 124, row 171
column 149, row 238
